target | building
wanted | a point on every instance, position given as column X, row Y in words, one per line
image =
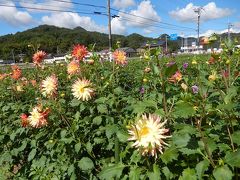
column 155, row 44
column 130, row 52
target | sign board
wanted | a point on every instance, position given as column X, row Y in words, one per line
column 173, row 37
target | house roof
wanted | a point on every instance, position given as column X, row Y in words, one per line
column 127, row 49
column 154, row 44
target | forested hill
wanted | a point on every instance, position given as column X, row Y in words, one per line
column 59, row 40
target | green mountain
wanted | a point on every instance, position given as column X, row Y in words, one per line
column 60, row 40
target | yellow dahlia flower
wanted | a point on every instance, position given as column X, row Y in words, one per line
column 49, row 86
column 213, row 76
column 82, row 89
column 38, row 117
column 184, row 86
column 148, row 134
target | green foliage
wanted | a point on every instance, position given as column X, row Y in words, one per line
column 90, row 139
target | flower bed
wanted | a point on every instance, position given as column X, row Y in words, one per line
column 152, row 118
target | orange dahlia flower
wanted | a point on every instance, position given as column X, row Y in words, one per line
column 120, row 57
column 79, row 52
column 16, row 72
column 2, row 76
column 176, row 77
column 24, row 119
column 73, row 67
column 38, row 57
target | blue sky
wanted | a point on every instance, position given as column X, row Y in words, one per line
column 147, row 17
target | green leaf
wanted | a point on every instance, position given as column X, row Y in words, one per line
column 63, row 133
column 223, row 173
column 233, row 159
column 169, row 71
column 102, row 108
column 167, row 173
column 135, row 173
column 122, row 136
column 181, row 140
column 169, row 155
column 156, row 70
column 77, row 116
column 201, row 167
column 85, row 164
column 32, row 154
column 155, row 175
column 97, row 120
column 232, row 92
column 77, row 147
column 75, row 103
column 139, row 108
column 117, row 90
column 101, row 100
column 183, row 109
column 71, row 169
column 188, row 174
column 235, row 137
column 111, row 171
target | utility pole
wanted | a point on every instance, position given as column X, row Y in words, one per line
column 12, row 51
column 166, row 43
column 109, row 29
column 229, row 33
column 198, row 11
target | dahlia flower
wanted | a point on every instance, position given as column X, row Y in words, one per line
column 79, row 52
column 213, row 76
column 176, row 77
column 120, row 57
column 38, row 57
column 16, row 72
column 195, row 89
column 73, row 67
column 3, row 76
column 184, row 86
column 49, row 86
column 37, row 118
column 24, row 120
column 82, row 89
column 149, row 134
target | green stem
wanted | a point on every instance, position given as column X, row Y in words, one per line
column 117, row 157
column 230, row 137
column 204, row 140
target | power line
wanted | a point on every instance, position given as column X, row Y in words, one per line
column 83, row 4
column 153, row 20
column 104, row 7
column 149, row 24
column 54, row 10
column 38, row 4
column 103, row 13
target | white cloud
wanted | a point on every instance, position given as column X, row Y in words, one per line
column 72, row 20
column 46, row 4
column 144, row 16
column 236, row 25
column 210, row 11
column 123, row 3
column 211, row 31
column 13, row 16
column 118, row 26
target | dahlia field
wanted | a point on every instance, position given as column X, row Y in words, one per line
column 151, row 118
